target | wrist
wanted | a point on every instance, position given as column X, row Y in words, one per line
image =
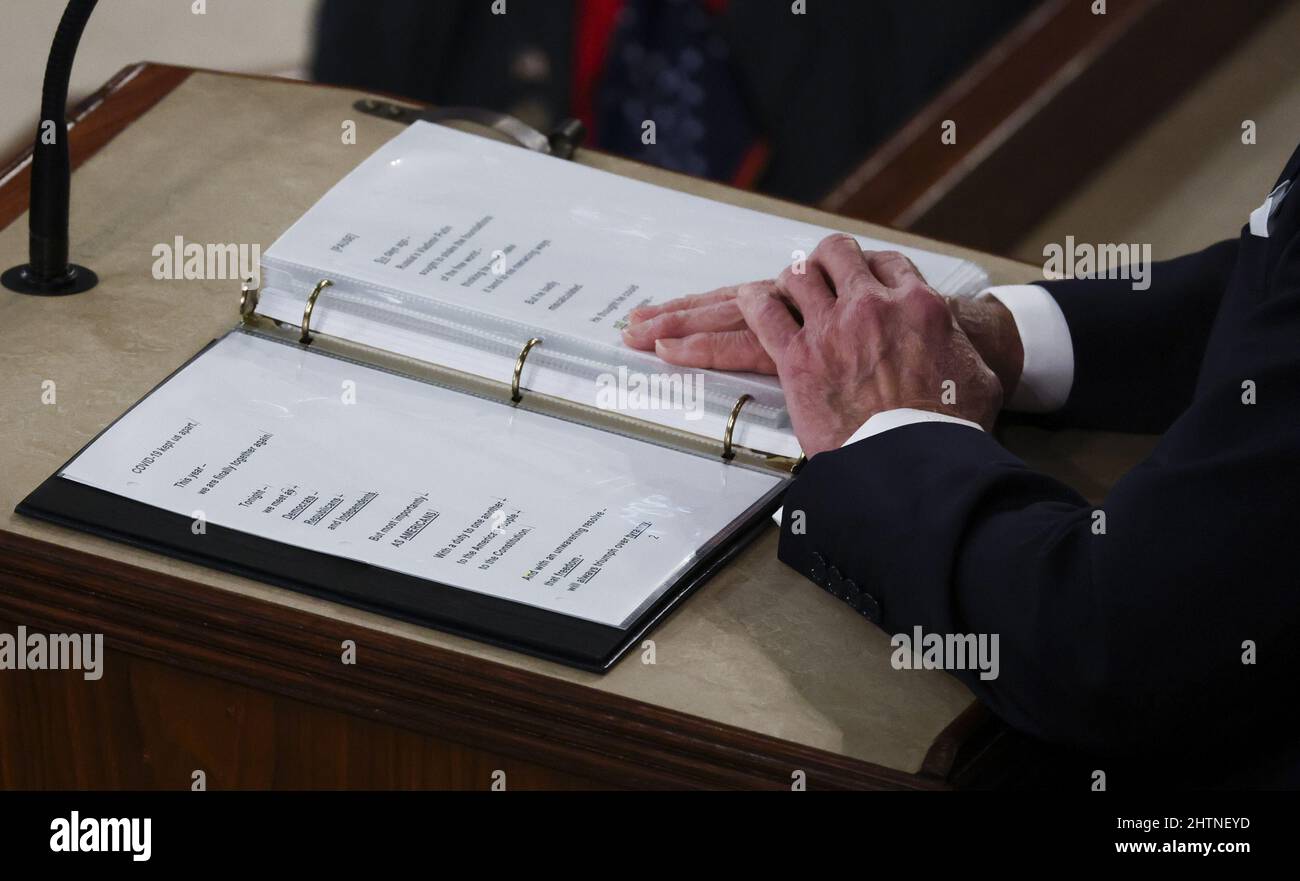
column 992, row 330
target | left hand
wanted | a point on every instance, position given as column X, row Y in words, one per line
column 873, row 337
column 702, row 330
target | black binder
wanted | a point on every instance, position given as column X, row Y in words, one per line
column 532, row 630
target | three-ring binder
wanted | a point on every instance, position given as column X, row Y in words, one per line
column 248, row 306
column 311, row 304
column 515, row 394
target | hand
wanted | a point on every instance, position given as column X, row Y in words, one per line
column 874, row 337
column 703, row 330
column 708, row 331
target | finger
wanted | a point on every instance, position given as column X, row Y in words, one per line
column 893, row 268
column 807, row 289
column 724, row 350
column 650, row 310
column 768, row 316
column 841, row 258
column 724, row 315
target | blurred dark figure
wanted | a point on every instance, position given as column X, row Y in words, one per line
column 743, row 91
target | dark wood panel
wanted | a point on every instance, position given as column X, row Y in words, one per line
column 149, row 725
column 1042, row 110
column 502, row 710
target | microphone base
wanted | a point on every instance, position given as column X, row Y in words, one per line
column 76, row 280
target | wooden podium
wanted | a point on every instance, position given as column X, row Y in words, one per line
column 761, row 679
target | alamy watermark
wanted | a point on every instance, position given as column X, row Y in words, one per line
column 179, row 259
column 946, row 651
column 630, row 390
column 78, row 834
column 53, row 651
column 1130, row 261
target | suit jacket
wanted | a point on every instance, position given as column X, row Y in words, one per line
column 1131, row 642
column 822, row 90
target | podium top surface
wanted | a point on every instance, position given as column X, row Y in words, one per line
column 234, row 159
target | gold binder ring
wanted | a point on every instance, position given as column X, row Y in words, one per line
column 727, row 452
column 515, row 395
column 247, row 298
column 311, row 304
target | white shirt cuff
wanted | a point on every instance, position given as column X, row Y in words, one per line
column 887, row 420
column 1048, row 373
column 890, row 419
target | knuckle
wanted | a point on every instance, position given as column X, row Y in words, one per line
column 799, row 284
column 835, row 241
column 923, row 304
column 858, row 281
column 898, row 264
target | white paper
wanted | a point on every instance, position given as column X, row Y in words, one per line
column 455, row 249
column 321, row 453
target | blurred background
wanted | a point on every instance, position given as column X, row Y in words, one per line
column 1122, row 127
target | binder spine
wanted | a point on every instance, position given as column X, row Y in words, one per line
column 248, row 302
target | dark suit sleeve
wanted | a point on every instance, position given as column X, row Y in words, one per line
column 1123, row 642
column 1137, row 353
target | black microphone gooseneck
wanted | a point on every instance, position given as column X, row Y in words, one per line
column 49, row 273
